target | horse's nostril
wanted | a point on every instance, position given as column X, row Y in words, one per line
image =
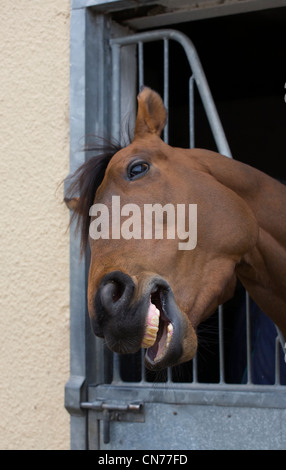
column 110, row 293
column 116, row 289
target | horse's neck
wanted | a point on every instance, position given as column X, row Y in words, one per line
column 262, row 270
column 264, row 195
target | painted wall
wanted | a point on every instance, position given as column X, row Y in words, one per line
column 34, row 248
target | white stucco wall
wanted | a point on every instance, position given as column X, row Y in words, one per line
column 34, row 275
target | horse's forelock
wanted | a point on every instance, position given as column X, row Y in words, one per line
column 84, row 182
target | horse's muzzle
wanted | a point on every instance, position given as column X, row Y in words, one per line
column 130, row 314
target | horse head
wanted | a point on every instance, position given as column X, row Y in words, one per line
column 150, row 286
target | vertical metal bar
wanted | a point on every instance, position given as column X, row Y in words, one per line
column 140, row 64
column 248, row 339
column 191, row 112
column 277, row 360
column 195, row 369
column 281, row 343
column 281, row 339
column 169, row 375
column 116, row 368
column 221, row 344
column 166, row 86
column 116, row 111
column 78, row 315
column 143, row 373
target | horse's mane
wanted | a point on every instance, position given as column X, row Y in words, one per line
column 83, row 184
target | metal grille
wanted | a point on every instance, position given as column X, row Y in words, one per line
column 197, row 77
column 123, row 370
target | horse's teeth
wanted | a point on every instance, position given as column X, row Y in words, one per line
column 147, row 342
column 170, row 330
column 151, row 330
column 152, row 326
column 169, row 334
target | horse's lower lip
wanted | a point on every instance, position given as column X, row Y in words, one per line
column 157, row 354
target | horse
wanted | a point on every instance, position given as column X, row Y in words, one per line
column 152, row 292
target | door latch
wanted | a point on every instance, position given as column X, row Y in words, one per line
column 115, row 411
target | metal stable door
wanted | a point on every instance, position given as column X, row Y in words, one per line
column 126, row 408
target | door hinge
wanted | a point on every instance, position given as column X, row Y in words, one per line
column 115, row 411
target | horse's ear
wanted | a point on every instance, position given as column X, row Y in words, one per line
column 72, row 203
column 151, row 115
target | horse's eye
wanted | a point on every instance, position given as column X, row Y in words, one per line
column 137, row 169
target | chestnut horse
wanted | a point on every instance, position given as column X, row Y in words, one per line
column 147, row 292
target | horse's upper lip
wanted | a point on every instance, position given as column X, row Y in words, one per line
column 162, row 336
